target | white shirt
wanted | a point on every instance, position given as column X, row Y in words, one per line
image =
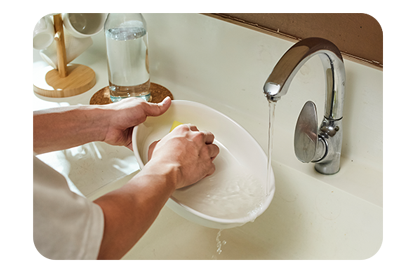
column 65, row 225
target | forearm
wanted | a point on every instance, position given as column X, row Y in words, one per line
column 66, row 127
column 130, row 210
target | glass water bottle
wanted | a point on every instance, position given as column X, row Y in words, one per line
column 127, row 56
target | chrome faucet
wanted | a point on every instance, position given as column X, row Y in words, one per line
column 322, row 146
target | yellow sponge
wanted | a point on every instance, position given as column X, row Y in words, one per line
column 174, row 125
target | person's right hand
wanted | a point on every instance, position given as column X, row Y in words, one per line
column 180, row 159
column 190, row 150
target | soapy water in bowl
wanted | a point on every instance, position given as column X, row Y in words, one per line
column 231, row 192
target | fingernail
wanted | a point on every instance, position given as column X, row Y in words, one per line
column 165, row 100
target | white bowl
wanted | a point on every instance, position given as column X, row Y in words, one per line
column 236, row 193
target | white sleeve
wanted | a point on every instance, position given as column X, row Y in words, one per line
column 65, row 225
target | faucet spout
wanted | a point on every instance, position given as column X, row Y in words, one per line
column 328, row 144
column 280, row 78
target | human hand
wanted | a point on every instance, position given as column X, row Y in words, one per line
column 189, row 149
column 129, row 112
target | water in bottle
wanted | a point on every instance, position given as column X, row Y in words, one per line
column 127, row 56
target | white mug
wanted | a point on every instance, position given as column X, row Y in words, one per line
column 83, row 25
column 73, row 47
column 43, row 33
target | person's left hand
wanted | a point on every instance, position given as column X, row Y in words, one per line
column 126, row 114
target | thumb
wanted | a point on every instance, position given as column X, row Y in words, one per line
column 156, row 109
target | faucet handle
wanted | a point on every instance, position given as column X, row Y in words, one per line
column 308, row 145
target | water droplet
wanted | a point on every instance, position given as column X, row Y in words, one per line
column 219, row 243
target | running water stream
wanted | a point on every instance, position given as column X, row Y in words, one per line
column 272, row 106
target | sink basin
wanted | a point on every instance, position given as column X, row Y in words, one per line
column 236, row 193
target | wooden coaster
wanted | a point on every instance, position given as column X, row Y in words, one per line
column 158, row 93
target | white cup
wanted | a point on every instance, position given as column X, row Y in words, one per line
column 83, row 25
column 73, row 47
column 43, row 33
